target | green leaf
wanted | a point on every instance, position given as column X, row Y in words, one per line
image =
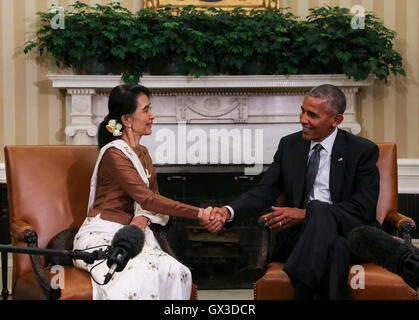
column 217, row 41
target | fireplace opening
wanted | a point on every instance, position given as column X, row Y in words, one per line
column 225, row 260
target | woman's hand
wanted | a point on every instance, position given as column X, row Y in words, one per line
column 216, row 219
column 140, row 221
column 204, row 215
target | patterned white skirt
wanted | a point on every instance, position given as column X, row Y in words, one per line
column 151, row 275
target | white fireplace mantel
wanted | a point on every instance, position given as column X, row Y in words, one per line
column 268, row 107
column 271, row 103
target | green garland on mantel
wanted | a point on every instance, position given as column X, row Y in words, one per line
column 110, row 39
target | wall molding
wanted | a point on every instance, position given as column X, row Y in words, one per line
column 408, row 175
column 2, row 172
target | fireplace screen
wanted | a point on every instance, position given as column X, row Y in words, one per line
column 225, row 260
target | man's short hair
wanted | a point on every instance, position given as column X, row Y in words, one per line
column 334, row 96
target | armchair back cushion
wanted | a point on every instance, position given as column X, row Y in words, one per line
column 387, row 165
column 48, row 189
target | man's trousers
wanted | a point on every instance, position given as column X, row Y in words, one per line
column 317, row 252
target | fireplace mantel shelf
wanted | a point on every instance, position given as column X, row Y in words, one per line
column 215, row 82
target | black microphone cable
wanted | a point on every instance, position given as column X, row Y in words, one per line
column 91, row 273
column 107, row 253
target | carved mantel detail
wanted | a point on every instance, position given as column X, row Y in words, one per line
column 261, row 103
column 210, row 109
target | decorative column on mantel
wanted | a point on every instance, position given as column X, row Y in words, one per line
column 269, row 103
column 80, row 129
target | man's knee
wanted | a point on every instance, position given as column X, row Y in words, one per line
column 321, row 213
column 318, row 208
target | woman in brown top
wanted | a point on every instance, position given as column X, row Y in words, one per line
column 124, row 191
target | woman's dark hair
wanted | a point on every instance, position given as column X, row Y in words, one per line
column 122, row 100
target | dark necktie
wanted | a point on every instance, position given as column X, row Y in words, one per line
column 312, row 168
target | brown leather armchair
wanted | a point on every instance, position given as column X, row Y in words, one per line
column 48, row 190
column 380, row 284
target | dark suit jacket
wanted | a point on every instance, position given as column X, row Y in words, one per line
column 354, row 179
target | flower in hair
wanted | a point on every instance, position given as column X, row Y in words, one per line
column 114, row 128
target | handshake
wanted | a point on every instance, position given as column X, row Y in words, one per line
column 213, row 219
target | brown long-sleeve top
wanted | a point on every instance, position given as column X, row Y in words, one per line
column 119, row 185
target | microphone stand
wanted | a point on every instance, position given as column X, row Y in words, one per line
column 55, row 293
column 88, row 257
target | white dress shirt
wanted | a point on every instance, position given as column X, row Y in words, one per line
column 321, row 190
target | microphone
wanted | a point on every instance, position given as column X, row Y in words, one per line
column 126, row 244
column 394, row 254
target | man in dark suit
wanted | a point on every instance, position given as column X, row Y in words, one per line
column 331, row 185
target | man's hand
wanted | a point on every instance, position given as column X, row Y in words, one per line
column 282, row 218
column 217, row 219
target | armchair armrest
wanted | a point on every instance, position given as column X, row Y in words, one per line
column 161, row 235
column 264, row 244
column 400, row 225
column 20, row 230
column 23, row 232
